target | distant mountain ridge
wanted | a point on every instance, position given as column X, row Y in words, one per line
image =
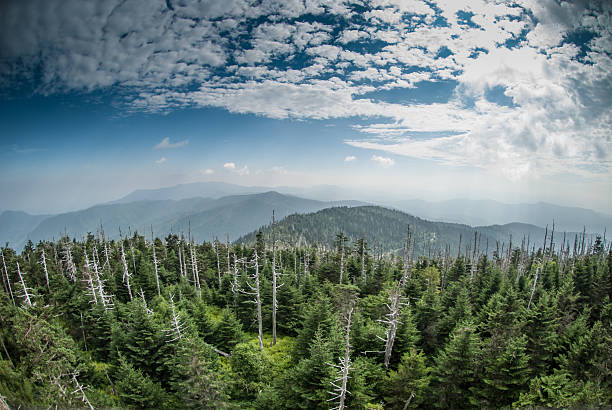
column 213, row 190
column 465, row 211
column 487, row 212
column 387, row 228
column 218, row 208
column 208, row 218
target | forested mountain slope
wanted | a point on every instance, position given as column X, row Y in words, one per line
column 173, row 324
column 386, row 229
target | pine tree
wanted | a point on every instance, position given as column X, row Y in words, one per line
column 455, row 373
column 407, row 387
column 135, row 389
column 506, row 375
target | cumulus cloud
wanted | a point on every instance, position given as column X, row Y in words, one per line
column 257, row 59
column 231, row 166
column 350, row 158
column 165, row 143
column 383, row 161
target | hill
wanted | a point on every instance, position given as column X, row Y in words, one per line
column 387, row 229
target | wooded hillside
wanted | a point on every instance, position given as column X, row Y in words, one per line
column 171, row 323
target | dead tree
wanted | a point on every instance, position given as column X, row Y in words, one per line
column 24, row 288
column 144, row 302
column 218, row 263
column 275, row 284
column 87, row 278
column 180, row 258
column 105, row 299
column 80, row 391
column 177, row 325
column 363, row 270
column 395, row 304
column 8, row 279
column 155, row 262
column 70, row 266
column 106, row 257
column 535, row 281
column 341, row 239
column 340, row 391
column 254, row 291
column 227, row 246
column 473, row 264
column 194, row 268
column 126, row 272
column 43, row 261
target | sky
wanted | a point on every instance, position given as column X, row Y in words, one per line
column 510, row 101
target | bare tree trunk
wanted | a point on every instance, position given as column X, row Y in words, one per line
column 258, row 302
column 274, row 282
column 72, row 273
column 180, row 258
column 218, row 264
column 340, row 391
column 24, row 287
column 87, row 277
column 194, row 268
column 104, row 299
column 227, row 245
column 535, row 281
column 44, row 263
column 472, row 265
column 8, row 279
column 363, row 271
column 126, row 272
column 155, row 262
column 341, row 257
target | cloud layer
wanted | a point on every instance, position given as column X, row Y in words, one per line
column 531, row 80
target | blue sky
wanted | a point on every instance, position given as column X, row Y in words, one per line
column 431, row 99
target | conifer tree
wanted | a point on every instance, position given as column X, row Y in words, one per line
column 456, row 371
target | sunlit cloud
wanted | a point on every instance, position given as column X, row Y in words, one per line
column 350, row 158
column 383, row 161
column 165, row 143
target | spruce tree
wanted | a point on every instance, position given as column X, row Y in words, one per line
column 456, row 371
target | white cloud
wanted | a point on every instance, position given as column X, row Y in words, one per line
column 161, row 160
column 165, row 143
column 208, row 171
column 383, row 161
column 231, row 166
column 279, row 170
column 350, row 158
column 163, row 59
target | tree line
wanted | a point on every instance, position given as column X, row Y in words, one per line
column 144, row 322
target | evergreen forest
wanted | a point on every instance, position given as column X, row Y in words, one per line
column 145, row 322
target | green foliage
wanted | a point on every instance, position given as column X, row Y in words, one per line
column 456, row 372
column 135, row 389
column 462, row 340
column 409, row 383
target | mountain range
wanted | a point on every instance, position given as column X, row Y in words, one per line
column 205, row 218
column 216, row 209
column 463, row 211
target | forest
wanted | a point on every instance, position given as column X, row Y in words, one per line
column 146, row 322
